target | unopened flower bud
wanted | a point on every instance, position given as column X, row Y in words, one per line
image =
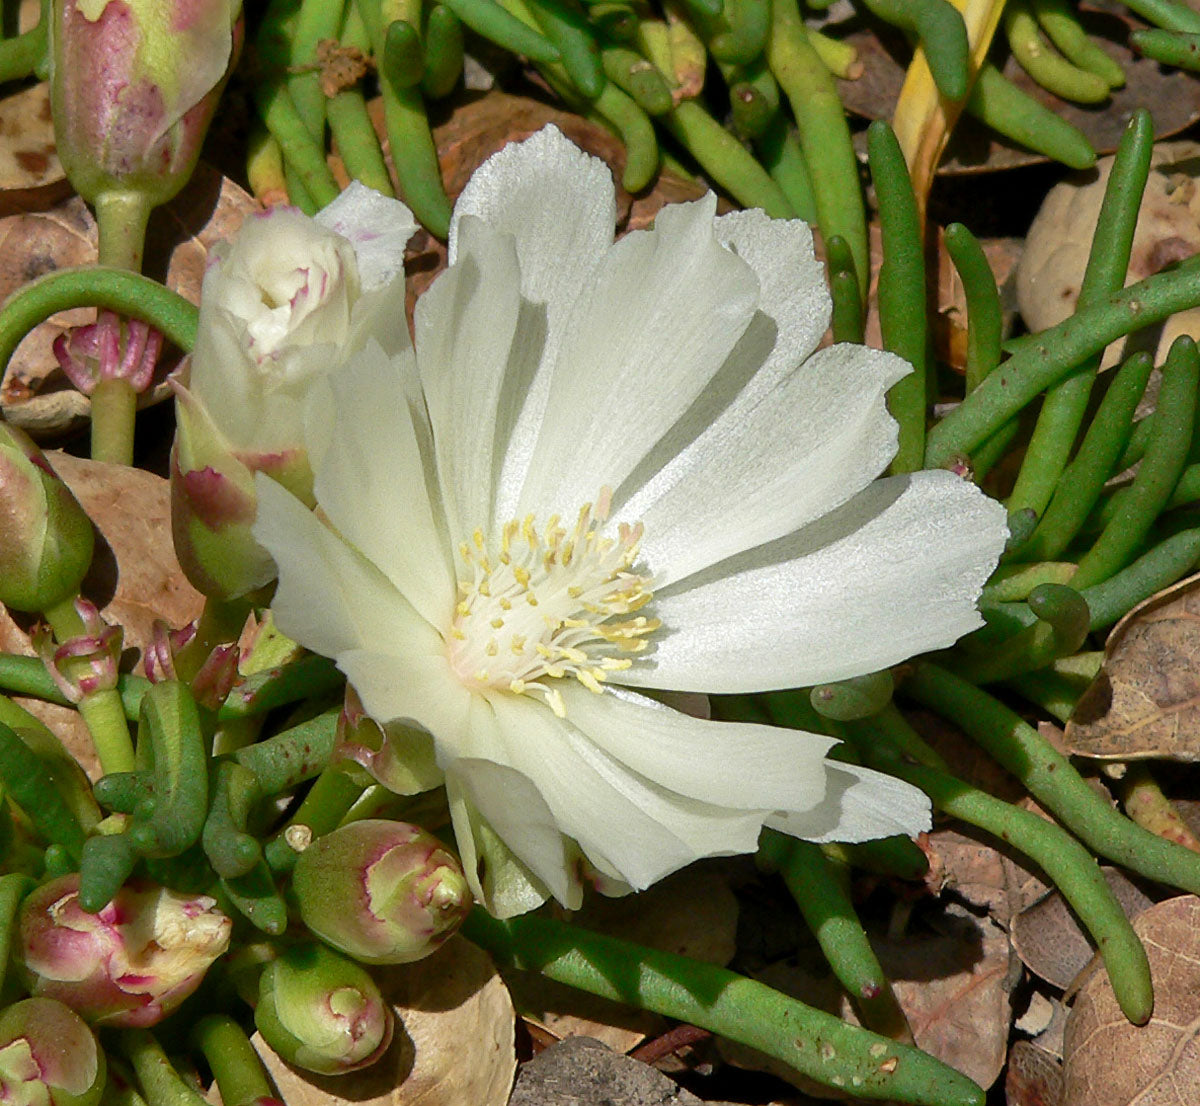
column 322, row 1012
column 46, row 538
column 109, row 349
column 48, row 1056
column 129, row 965
column 383, row 892
column 84, row 664
column 133, row 87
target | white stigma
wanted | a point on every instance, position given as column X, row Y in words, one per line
column 541, row 605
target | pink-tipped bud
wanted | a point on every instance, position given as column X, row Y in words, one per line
column 109, row 349
column 48, row 1056
column 322, row 1012
column 85, row 664
column 46, row 538
column 129, row 965
column 133, row 88
column 383, row 892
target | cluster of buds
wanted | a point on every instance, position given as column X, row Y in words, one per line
column 322, row 1012
column 383, row 892
column 46, row 538
column 84, row 664
column 132, row 963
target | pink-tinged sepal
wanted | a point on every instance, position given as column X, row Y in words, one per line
column 48, row 1056
column 214, row 680
column 87, row 663
column 398, row 756
column 109, row 349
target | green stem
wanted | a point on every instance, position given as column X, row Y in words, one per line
column 326, row 804
column 240, row 1075
column 127, row 293
column 114, row 405
column 22, row 54
column 1056, row 353
column 1073, row 871
column 13, row 888
column 121, row 219
column 221, row 621
column 817, row 1044
column 828, row 912
column 28, row 676
column 1051, row 779
column 160, row 1082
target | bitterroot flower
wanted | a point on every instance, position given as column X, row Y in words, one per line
column 607, row 468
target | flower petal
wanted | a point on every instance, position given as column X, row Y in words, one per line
column 627, row 826
column 772, row 463
column 464, row 328
column 894, row 572
column 513, row 853
column 373, row 451
column 330, row 598
column 647, row 335
column 859, row 805
column 732, row 764
column 559, row 205
column 377, row 226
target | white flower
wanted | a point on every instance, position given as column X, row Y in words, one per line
column 281, row 305
column 607, row 467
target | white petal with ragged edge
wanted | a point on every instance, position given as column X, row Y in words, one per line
column 646, row 336
column 377, row 226
column 628, row 827
column 895, row 572
column 380, row 315
column 371, row 465
column 222, row 375
column 859, row 805
column 539, row 860
column 802, row 449
column 464, row 330
column 559, row 204
column 733, row 764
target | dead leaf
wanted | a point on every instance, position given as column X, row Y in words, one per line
column 953, row 987
column 35, row 395
column 1146, row 700
column 1034, row 1077
column 1060, row 239
column 975, row 869
column 454, row 1041
column 134, row 576
column 1107, row 1061
column 30, row 173
column 1049, row 939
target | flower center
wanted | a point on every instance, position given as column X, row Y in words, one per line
column 538, row 606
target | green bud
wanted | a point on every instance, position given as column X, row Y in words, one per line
column 48, row 1056
column 383, row 892
column 322, row 1012
column 46, row 538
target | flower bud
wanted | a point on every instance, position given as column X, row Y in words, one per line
column 133, row 87
column 322, row 1012
column 129, row 965
column 48, row 1056
column 46, row 538
column 282, row 304
column 383, row 892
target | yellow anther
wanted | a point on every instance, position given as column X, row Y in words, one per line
column 497, row 623
column 554, row 701
column 588, row 681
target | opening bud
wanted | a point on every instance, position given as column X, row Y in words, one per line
column 48, row 1056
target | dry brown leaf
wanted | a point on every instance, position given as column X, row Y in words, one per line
column 1034, row 1077
column 34, row 393
column 1049, row 939
column 954, row 989
column 30, row 173
column 979, row 873
column 456, row 1046
column 1146, row 700
column 134, row 576
column 1107, row 1061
